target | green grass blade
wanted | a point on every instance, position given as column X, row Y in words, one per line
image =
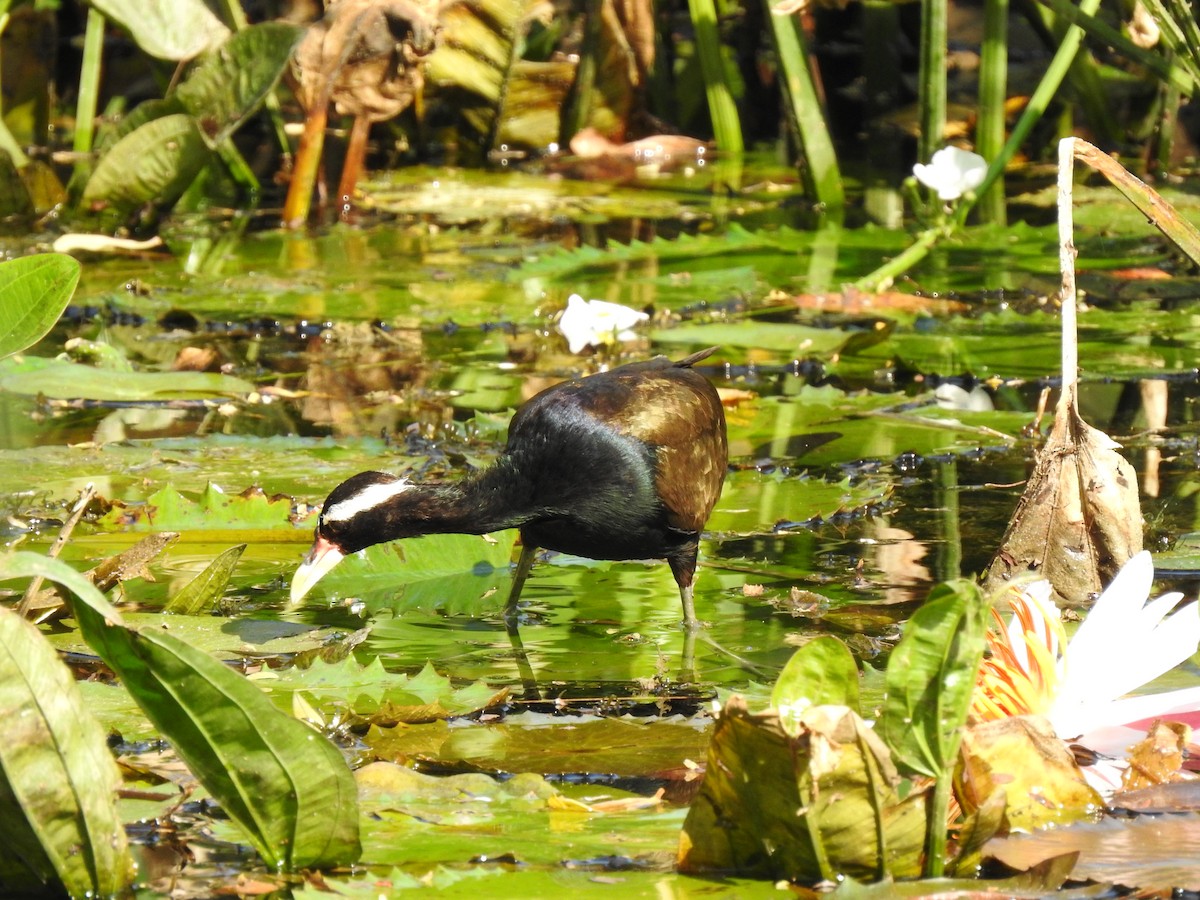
column 931, row 83
column 993, row 90
column 807, row 113
column 727, row 127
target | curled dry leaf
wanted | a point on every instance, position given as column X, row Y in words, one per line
column 1079, row 519
column 1022, row 757
column 1158, row 758
column 818, row 804
column 362, row 56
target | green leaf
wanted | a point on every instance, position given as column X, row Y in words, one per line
column 821, row 673
column 428, row 571
column 203, row 591
column 58, row 781
column 930, row 677
column 371, row 692
column 34, row 290
column 228, row 83
column 62, row 380
column 287, row 787
column 168, row 29
column 153, row 164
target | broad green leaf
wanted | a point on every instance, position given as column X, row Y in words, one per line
column 228, row 83
column 61, row 380
column 821, row 673
column 153, row 164
column 287, row 787
column 430, row 570
column 58, row 781
column 203, row 591
column 169, row 29
column 930, row 677
column 107, row 135
column 34, row 290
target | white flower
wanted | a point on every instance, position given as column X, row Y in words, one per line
column 597, row 322
column 952, row 172
column 1126, row 642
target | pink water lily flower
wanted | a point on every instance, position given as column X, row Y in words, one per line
column 952, row 172
column 597, row 322
column 1083, row 686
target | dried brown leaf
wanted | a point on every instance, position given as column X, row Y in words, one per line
column 1079, row 519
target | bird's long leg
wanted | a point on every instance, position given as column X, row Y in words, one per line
column 511, row 625
column 683, row 567
column 524, row 667
column 524, row 564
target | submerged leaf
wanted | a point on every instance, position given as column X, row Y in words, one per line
column 167, row 509
column 61, row 380
column 203, row 591
column 384, row 698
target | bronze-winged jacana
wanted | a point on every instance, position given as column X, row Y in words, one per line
column 625, row 464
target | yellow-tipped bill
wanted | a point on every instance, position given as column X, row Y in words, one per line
column 321, row 558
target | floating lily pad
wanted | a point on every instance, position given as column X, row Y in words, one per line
column 69, row 381
column 169, row 510
column 371, row 692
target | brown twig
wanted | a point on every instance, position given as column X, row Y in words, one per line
column 64, row 533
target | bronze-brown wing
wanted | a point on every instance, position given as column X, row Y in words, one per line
column 680, row 415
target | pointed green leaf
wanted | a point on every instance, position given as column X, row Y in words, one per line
column 930, row 677
column 34, row 290
column 229, row 83
column 288, row 787
column 153, row 164
column 58, row 781
column 203, row 591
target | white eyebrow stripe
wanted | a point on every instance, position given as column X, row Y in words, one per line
column 369, row 498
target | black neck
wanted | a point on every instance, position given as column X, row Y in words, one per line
column 492, row 500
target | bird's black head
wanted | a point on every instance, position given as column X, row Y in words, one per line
column 354, row 514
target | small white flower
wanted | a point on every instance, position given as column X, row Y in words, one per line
column 952, row 172
column 597, row 322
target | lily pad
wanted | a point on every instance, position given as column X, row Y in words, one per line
column 371, row 692
column 70, row 381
